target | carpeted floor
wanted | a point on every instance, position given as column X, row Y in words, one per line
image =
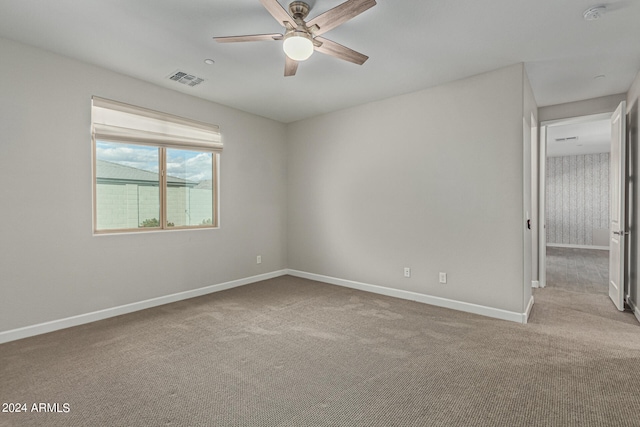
column 293, row 352
column 578, row 270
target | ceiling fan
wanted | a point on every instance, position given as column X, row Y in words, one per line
column 301, row 38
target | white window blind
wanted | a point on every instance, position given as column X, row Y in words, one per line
column 116, row 121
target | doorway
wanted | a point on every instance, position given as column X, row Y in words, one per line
column 574, row 200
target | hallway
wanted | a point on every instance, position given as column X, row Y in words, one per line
column 578, row 270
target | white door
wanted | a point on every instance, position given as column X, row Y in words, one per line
column 617, row 221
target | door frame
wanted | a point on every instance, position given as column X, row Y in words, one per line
column 542, row 185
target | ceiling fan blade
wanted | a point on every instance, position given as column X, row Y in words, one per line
column 278, row 12
column 251, row 38
column 339, row 14
column 290, row 67
column 332, row 48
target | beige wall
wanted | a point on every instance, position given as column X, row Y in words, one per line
column 604, row 104
column 633, row 124
column 51, row 266
column 432, row 180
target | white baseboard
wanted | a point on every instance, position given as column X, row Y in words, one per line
column 535, row 284
column 565, row 245
column 413, row 296
column 527, row 312
column 54, row 325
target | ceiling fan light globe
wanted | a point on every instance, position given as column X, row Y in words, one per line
column 298, row 46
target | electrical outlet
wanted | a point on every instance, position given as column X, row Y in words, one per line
column 407, row 272
column 443, row 277
column 259, row 259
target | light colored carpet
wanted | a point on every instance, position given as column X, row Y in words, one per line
column 578, row 270
column 293, row 352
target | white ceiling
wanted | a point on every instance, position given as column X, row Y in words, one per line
column 590, row 138
column 412, row 45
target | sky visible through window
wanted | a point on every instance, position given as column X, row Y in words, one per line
column 194, row 166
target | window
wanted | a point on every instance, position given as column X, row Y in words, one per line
column 152, row 171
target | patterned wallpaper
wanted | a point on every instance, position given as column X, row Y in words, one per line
column 577, row 198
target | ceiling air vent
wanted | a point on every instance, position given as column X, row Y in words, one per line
column 185, row 78
column 570, row 138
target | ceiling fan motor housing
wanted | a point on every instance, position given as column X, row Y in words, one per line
column 299, row 9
